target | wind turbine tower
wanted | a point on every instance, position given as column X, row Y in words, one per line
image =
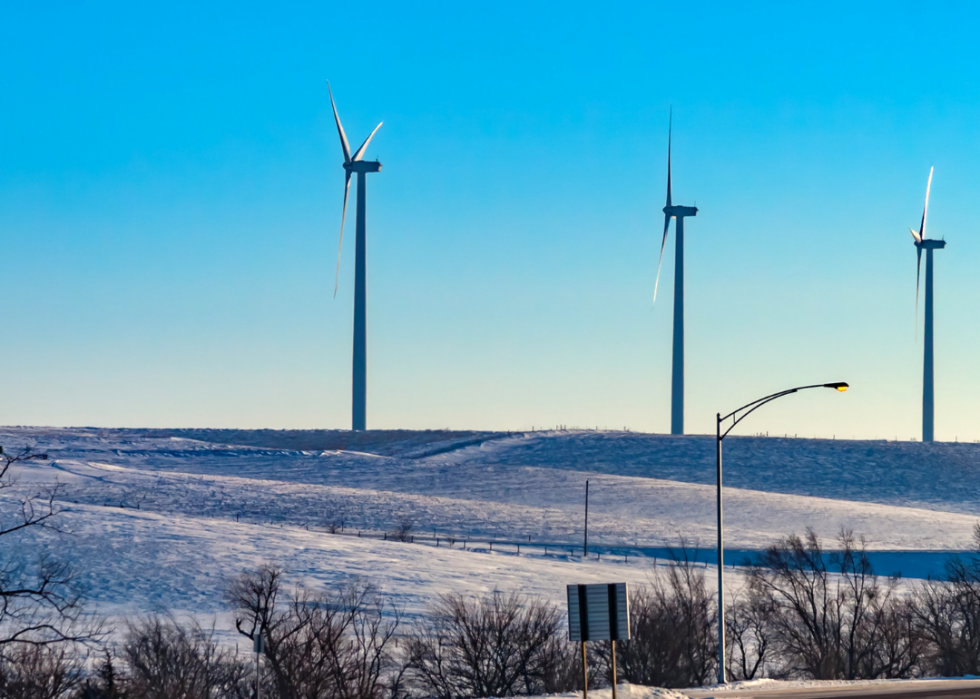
column 355, row 163
column 679, row 213
column 928, row 386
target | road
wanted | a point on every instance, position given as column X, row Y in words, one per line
column 910, row 689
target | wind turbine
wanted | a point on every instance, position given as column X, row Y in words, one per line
column 928, row 388
column 355, row 163
column 677, row 372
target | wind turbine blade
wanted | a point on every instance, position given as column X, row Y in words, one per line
column 340, row 246
column 360, row 151
column 670, row 129
column 663, row 243
column 925, row 209
column 340, row 129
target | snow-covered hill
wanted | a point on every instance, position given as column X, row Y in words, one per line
column 162, row 519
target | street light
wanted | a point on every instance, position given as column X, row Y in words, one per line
column 736, row 418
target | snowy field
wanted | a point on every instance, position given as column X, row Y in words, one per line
column 927, row 688
column 803, row 689
column 160, row 520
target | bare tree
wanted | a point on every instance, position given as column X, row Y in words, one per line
column 672, row 627
column 895, row 646
column 170, row 660
column 830, row 616
column 559, row 665
column 325, row 646
column 948, row 616
column 498, row 645
column 31, row 671
column 40, row 601
column 748, row 635
column 947, row 619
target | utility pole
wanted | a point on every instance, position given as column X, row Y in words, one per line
column 585, row 548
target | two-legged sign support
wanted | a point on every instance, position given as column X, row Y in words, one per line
column 598, row 613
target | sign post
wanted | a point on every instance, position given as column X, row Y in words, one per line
column 258, row 645
column 598, row 613
column 614, row 668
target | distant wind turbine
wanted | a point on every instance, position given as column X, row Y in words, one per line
column 355, row 163
column 928, row 388
column 677, row 372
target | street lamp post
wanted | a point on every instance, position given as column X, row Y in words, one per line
column 736, row 417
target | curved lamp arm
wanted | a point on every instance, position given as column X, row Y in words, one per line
column 750, row 408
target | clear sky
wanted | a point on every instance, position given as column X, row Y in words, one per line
column 171, row 184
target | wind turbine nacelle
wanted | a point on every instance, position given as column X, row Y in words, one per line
column 681, row 211
column 933, row 244
column 363, row 166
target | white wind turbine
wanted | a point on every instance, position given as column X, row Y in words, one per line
column 928, row 384
column 356, row 163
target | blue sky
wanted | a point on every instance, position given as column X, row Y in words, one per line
column 170, row 194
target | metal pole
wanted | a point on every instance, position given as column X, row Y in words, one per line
column 748, row 409
column 258, row 687
column 614, row 669
column 585, row 548
column 585, row 675
column 721, row 562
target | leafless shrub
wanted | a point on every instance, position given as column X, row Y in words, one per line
column 137, row 496
column 947, row 619
column 403, row 532
column 948, row 616
column 829, row 615
column 561, row 665
column 748, row 635
column 897, row 648
column 672, row 628
column 32, row 671
column 170, row 660
column 498, row 645
column 326, row 645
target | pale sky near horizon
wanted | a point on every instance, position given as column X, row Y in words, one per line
column 171, row 184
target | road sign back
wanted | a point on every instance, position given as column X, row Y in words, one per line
column 598, row 612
